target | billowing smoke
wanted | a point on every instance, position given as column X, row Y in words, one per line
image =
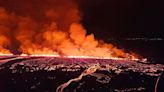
column 48, row 27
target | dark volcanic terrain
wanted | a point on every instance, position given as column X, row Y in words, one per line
column 57, row 74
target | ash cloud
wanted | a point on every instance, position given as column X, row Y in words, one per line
column 48, row 27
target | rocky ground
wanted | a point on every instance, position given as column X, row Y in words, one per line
column 54, row 74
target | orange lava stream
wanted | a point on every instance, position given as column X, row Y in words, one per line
column 84, row 57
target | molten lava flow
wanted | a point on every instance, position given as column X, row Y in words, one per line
column 88, row 71
column 51, row 28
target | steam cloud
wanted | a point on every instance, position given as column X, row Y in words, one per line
column 48, row 27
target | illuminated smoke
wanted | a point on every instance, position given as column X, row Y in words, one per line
column 49, row 27
column 4, row 32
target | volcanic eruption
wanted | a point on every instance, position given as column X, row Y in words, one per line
column 50, row 28
column 41, row 39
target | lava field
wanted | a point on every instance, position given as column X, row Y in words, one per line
column 58, row 74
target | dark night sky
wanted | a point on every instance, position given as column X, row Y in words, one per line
column 123, row 18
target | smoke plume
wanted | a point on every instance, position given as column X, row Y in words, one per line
column 48, row 27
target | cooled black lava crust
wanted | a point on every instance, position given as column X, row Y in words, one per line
column 45, row 74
